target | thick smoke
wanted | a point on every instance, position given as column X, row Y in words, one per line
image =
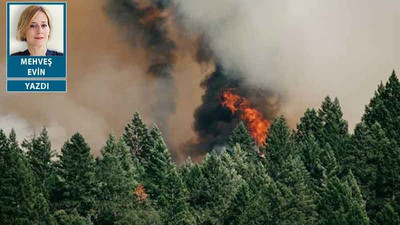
column 301, row 50
column 214, row 122
column 145, row 23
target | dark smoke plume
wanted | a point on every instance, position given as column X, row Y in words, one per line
column 145, row 25
column 213, row 122
column 204, row 52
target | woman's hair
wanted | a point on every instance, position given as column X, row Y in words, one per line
column 26, row 18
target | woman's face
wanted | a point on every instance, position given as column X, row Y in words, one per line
column 38, row 31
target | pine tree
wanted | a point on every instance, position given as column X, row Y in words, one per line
column 136, row 136
column 375, row 160
column 20, row 203
column 173, row 199
column 193, row 181
column 40, row 158
column 312, row 124
column 319, row 162
column 77, row 174
column 280, row 145
column 162, row 182
column 70, row 219
column 144, row 214
column 243, row 208
column 341, row 203
column 294, row 184
column 241, row 136
column 335, row 128
column 157, row 164
column 291, row 177
column 384, row 108
column 246, row 204
column 116, row 181
column 211, row 186
column 387, row 216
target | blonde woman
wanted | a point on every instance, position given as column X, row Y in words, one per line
column 34, row 27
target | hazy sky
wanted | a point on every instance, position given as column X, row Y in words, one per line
column 304, row 50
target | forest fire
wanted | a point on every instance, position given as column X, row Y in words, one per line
column 253, row 119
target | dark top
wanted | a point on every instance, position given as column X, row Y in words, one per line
column 48, row 53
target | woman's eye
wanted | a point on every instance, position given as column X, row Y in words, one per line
column 32, row 26
column 44, row 25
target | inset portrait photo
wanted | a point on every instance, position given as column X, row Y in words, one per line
column 36, row 29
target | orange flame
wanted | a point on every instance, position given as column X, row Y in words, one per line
column 257, row 125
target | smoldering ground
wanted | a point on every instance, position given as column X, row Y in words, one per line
column 300, row 50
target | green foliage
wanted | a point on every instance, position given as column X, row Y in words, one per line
column 157, row 164
column 384, row 108
column 379, row 139
column 211, row 186
column 20, row 202
column 341, row 203
column 241, row 136
column 173, row 200
column 306, row 177
column 143, row 215
column 115, row 178
column 291, row 177
column 39, row 154
column 70, row 219
column 77, row 174
column 310, row 124
column 280, row 145
column 253, row 200
column 375, row 161
column 136, row 135
column 388, row 216
column 319, row 162
column 243, row 208
column 335, row 128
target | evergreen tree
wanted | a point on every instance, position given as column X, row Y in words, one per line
column 387, row 216
column 144, row 214
column 77, row 173
column 116, row 181
column 335, row 128
column 39, row 156
column 341, row 203
column 193, row 181
column 294, row 184
column 312, row 124
column 375, row 160
column 291, row 177
column 247, row 203
column 245, row 165
column 162, row 181
column 319, row 162
column 241, row 135
column 384, row 108
column 280, row 145
column 20, row 203
column 211, row 186
column 157, row 164
column 243, row 208
column 136, row 135
column 175, row 209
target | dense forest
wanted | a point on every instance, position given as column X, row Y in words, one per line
column 319, row 173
